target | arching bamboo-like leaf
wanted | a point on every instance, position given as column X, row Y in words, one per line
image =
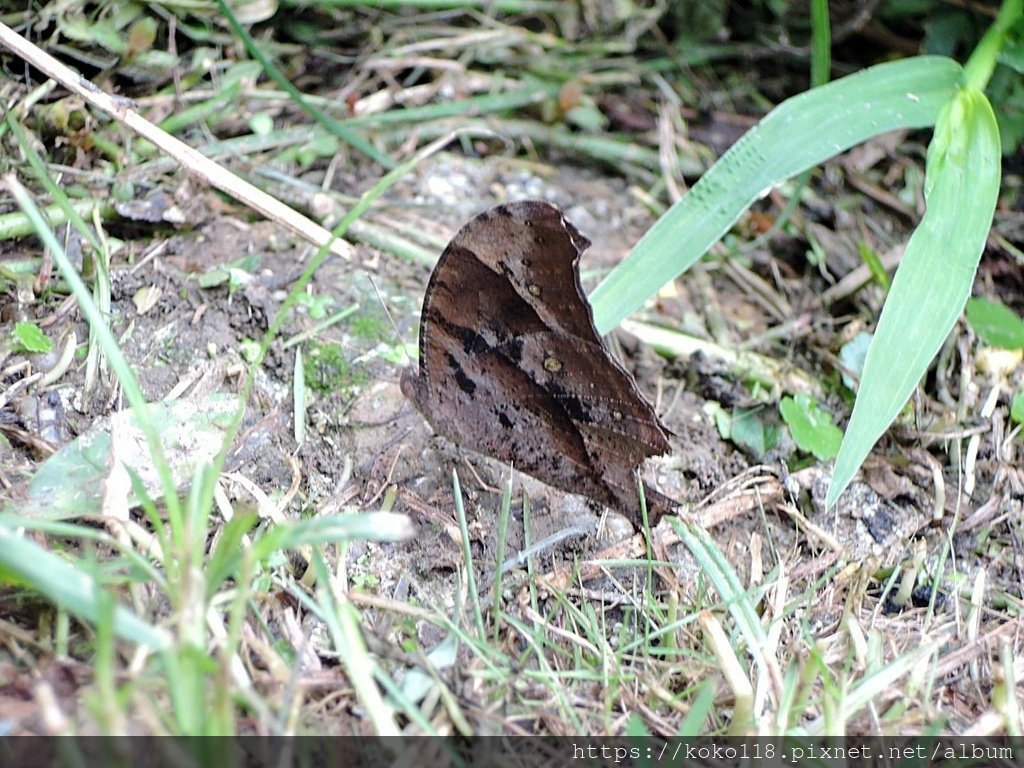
column 934, row 279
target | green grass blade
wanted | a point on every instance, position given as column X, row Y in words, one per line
column 467, row 557
column 934, row 279
column 71, row 588
column 97, row 322
column 739, row 602
column 368, row 526
column 821, row 43
column 344, row 622
column 60, row 199
column 352, row 137
column 798, row 134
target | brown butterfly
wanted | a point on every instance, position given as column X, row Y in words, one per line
column 511, row 365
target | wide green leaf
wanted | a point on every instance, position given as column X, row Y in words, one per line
column 798, row 134
column 84, row 476
column 934, row 279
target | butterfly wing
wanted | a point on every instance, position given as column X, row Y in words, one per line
column 512, row 366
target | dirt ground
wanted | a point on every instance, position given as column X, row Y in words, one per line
column 364, row 438
column 366, row 447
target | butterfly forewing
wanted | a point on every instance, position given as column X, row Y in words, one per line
column 511, row 365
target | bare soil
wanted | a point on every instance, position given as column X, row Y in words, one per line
column 368, row 423
column 364, row 440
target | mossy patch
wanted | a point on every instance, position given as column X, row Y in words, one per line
column 328, row 369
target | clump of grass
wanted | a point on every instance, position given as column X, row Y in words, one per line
column 665, row 635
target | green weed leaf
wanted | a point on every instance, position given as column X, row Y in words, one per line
column 32, row 338
column 996, row 324
column 1017, row 408
column 749, row 431
column 811, row 427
